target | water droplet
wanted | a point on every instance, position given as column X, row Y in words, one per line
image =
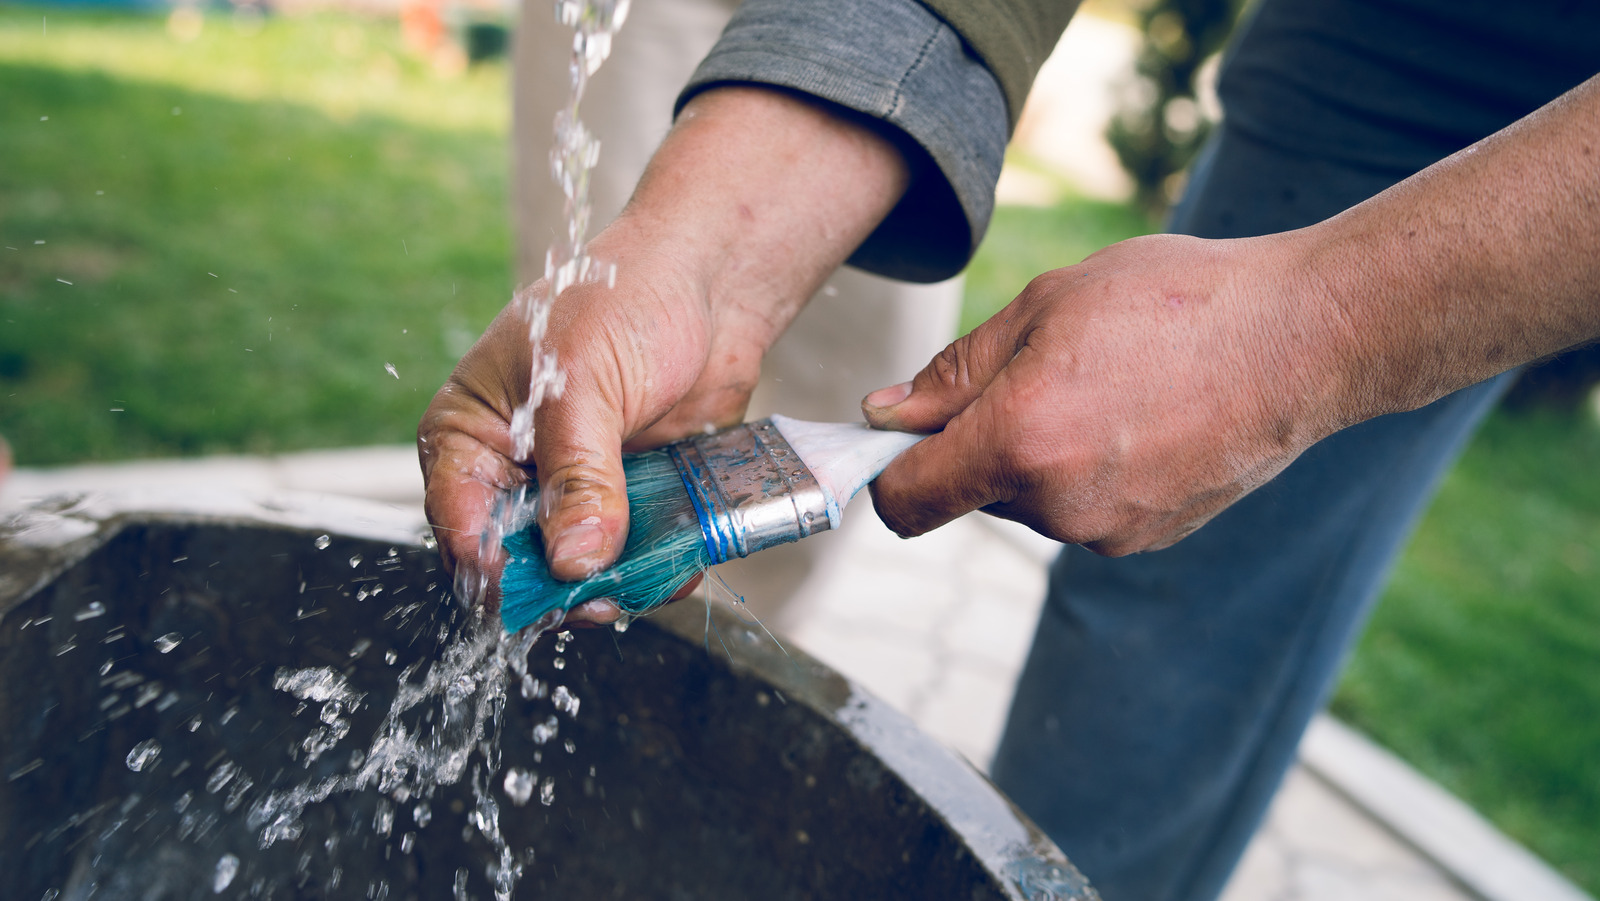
column 94, row 609
column 559, row 663
column 390, row 657
column 322, row 542
column 519, row 785
column 227, row 868
column 622, row 623
column 167, row 642
column 383, row 820
column 570, row 745
column 430, row 542
column 407, row 842
column 144, row 754
column 546, row 730
column 565, row 700
column 533, row 688
column 221, row 776
column 389, row 368
column 355, row 561
column 423, row 814
column 547, row 792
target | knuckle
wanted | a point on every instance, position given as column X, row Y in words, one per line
column 576, row 487
column 949, row 368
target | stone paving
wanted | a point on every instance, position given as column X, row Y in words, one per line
column 938, row 626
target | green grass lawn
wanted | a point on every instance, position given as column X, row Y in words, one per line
column 218, row 245
column 226, row 240
column 1482, row 663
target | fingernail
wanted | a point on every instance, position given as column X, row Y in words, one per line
column 888, row 397
column 578, row 541
column 601, row 612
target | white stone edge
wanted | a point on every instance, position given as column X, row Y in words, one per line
column 1441, row 827
column 385, row 473
column 67, row 516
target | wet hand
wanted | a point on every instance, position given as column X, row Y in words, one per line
column 754, row 198
column 643, row 365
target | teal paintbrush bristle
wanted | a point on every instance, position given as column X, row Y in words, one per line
column 665, row 548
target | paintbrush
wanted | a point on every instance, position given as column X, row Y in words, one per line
column 706, row 500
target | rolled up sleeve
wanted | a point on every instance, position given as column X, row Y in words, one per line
column 894, row 61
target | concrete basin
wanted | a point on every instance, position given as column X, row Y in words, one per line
column 145, row 715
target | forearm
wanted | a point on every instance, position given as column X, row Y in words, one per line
column 761, row 195
column 1485, row 261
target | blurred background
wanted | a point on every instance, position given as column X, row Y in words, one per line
column 261, row 228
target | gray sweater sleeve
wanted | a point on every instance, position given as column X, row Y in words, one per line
column 895, row 62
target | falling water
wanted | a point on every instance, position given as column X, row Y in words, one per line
column 574, row 154
column 406, row 759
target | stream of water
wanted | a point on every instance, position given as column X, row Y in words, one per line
column 469, row 682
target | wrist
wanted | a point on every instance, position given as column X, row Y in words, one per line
column 758, row 195
column 1319, row 361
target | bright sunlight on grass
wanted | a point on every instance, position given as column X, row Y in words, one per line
column 1482, row 663
column 218, row 245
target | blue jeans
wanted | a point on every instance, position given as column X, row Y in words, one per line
column 1165, row 693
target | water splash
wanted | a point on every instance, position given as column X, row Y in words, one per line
column 94, row 609
column 144, row 754
column 444, row 723
column 227, row 868
column 519, row 785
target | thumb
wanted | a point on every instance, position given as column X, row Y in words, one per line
column 947, row 475
column 583, row 496
column 947, row 385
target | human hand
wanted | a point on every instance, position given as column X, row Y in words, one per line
column 1123, row 402
column 1120, row 403
column 753, row 199
column 644, row 364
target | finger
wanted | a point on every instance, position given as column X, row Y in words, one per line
column 583, row 496
column 464, row 480
column 955, row 378
column 591, row 615
column 948, row 474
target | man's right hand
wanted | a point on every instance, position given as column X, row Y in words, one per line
column 754, row 198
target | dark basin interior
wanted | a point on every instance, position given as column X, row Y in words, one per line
column 704, row 764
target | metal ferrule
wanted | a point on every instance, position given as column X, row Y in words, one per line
column 750, row 489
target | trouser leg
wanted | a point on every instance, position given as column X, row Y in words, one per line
column 1165, row 693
